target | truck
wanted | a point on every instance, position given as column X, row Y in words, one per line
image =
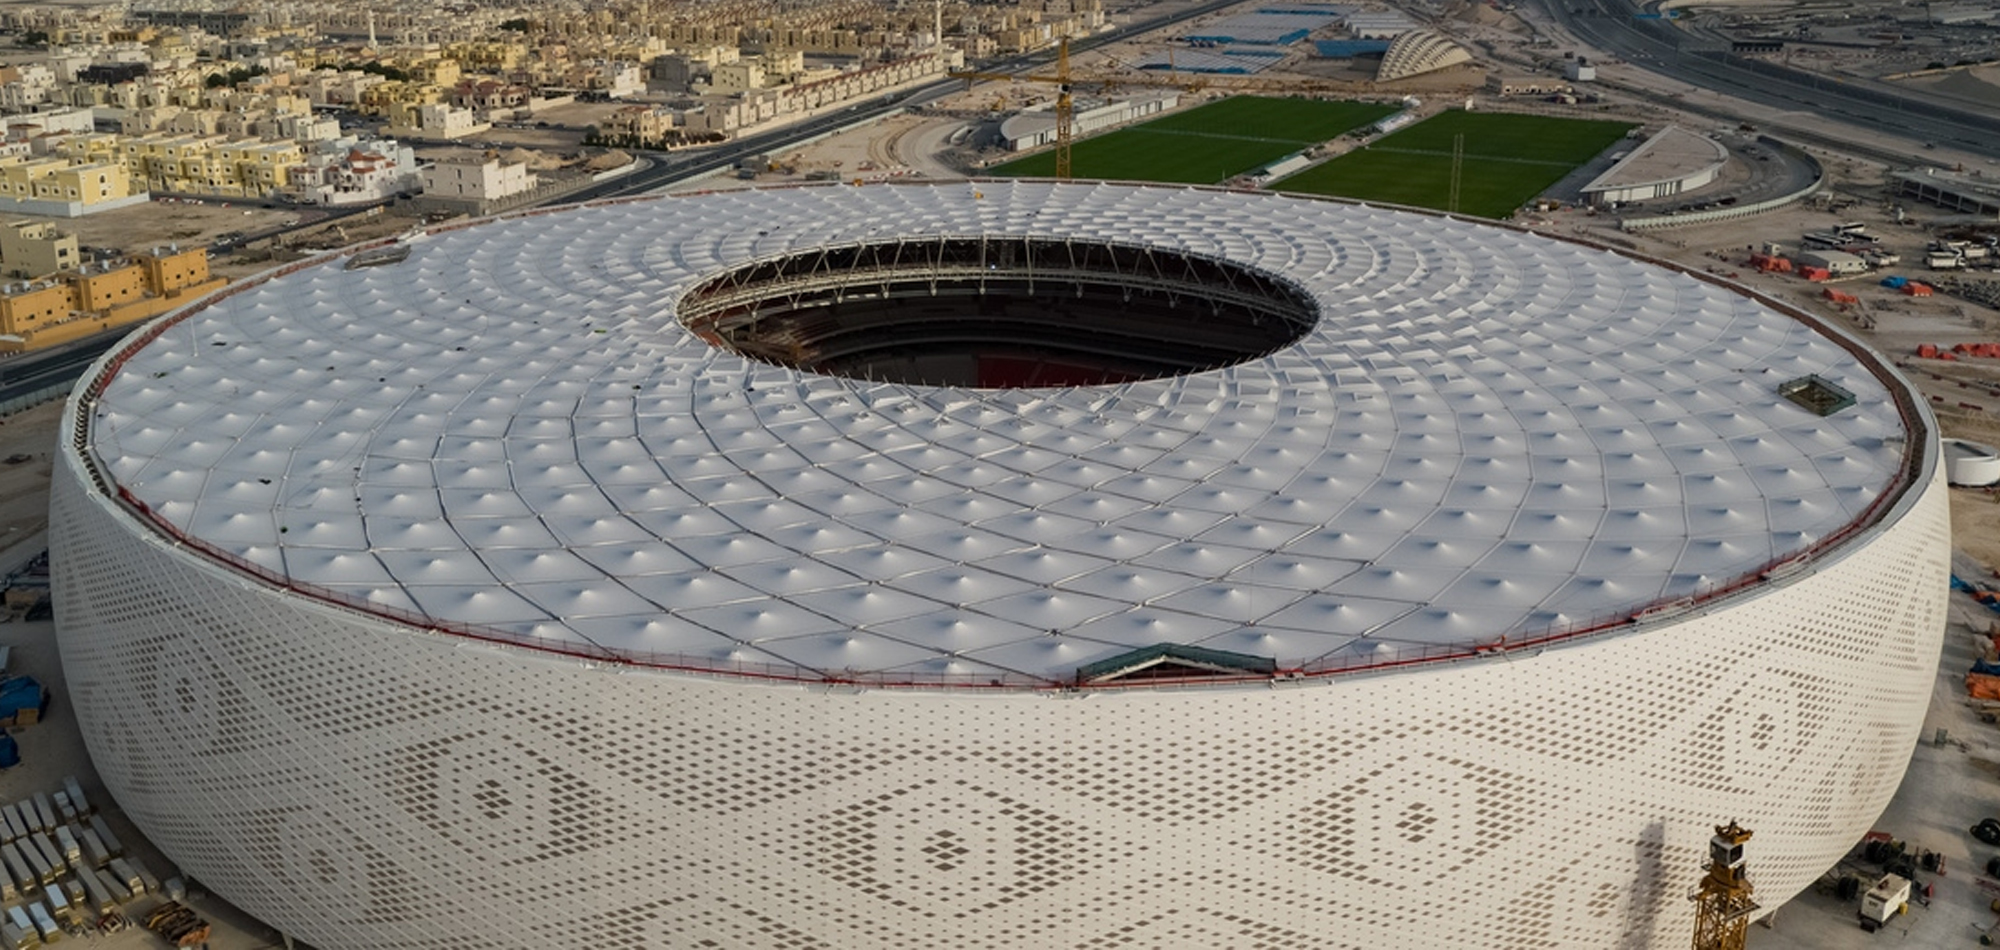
column 46, row 810
column 72, row 852
column 45, row 923
column 145, row 876
column 104, row 835
column 1890, row 896
column 9, row 830
column 18, row 937
column 59, row 904
column 18, row 868
column 45, row 872
column 101, row 896
column 123, row 872
column 64, row 810
column 76, row 799
column 31, row 819
column 111, row 884
column 95, row 853
column 49, row 851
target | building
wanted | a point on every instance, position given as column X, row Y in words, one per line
column 36, row 249
column 1671, row 161
column 1961, row 193
column 352, row 172
column 59, row 188
column 1418, row 52
column 1035, row 128
column 434, row 121
column 675, row 572
column 95, row 297
column 1501, row 85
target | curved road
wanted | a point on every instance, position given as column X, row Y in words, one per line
column 671, row 167
column 1661, row 47
column 29, row 373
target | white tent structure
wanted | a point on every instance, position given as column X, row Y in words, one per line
column 497, row 502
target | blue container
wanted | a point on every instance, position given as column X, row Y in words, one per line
column 10, row 752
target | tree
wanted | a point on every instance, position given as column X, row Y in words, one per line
column 516, row 25
column 234, row 76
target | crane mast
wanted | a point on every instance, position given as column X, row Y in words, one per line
column 1722, row 899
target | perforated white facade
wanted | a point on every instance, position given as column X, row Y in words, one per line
column 321, row 712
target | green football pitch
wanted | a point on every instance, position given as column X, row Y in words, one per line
column 1508, row 160
column 1206, row 144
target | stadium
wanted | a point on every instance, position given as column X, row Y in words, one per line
column 994, row 565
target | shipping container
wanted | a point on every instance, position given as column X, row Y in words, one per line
column 9, row 829
column 46, row 810
column 18, row 937
column 64, row 810
column 32, row 820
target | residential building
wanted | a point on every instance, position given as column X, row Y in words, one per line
column 96, row 297
column 36, row 249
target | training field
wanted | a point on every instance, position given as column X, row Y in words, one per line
column 1508, row 160
column 1207, row 144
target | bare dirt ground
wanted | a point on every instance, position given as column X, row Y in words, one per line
column 161, row 222
column 24, row 485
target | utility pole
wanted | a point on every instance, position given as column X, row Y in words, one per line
column 1457, row 170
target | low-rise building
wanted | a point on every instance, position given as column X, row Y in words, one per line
column 93, row 298
column 354, row 172
column 36, row 249
column 436, row 121
column 476, row 177
column 1524, row 85
column 60, row 188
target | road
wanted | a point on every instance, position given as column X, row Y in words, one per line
column 24, row 374
column 671, row 167
column 33, row 372
column 1661, row 47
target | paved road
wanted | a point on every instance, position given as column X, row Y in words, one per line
column 25, row 374
column 671, row 167
column 34, row 372
column 1661, row 47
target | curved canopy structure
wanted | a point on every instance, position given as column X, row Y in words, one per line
column 1483, row 433
column 1418, row 52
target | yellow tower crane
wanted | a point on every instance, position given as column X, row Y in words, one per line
column 1064, row 80
column 1722, row 899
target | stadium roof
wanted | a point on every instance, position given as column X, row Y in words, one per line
column 1488, row 432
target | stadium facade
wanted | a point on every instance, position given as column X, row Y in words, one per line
column 994, row 565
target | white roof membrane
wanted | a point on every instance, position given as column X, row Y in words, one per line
column 1487, row 433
